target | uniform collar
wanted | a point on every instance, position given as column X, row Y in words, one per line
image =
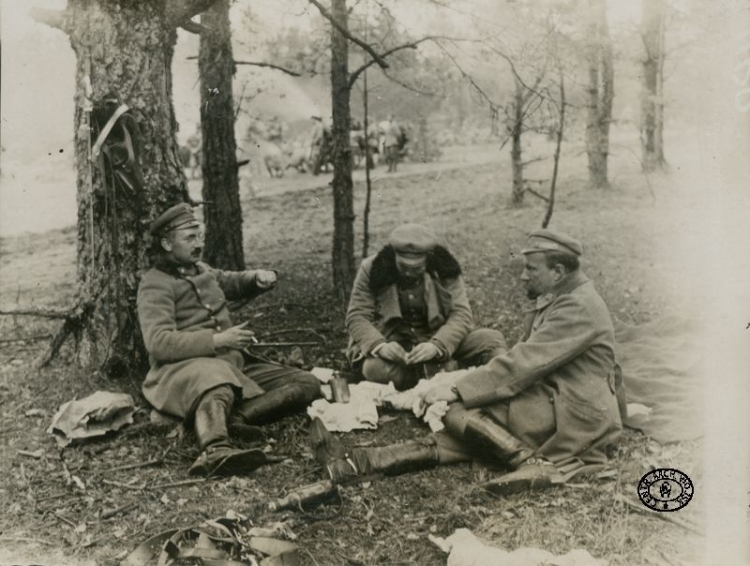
column 564, row 287
column 175, row 270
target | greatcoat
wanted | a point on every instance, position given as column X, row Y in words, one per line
column 374, row 312
column 555, row 389
column 179, row 315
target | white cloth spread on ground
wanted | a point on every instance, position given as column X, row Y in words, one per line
column 467, row 550
column 361, row 411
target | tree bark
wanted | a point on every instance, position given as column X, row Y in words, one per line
column 222, row 213
column 124, row 52
column 652, row 102
column 516, row 150
column 600, row 93
column 342, row 257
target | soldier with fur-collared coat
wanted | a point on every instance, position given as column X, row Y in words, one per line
column 547, row 408
column 409, row 313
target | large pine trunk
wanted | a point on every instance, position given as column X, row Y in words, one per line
column 124, row 51
column 652, row 101
column 221, row 190
column 600, row 93
column 343, row 198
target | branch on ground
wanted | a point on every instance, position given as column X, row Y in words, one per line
column 343, row 31
column 44, row 313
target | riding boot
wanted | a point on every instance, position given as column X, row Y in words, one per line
column 341, row 464
column 502, row 445
column 274, row 404
column 217, row 455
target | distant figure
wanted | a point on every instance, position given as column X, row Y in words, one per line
column 391, row 131
column 320, row 145
column 275, row 131
column 195, row 146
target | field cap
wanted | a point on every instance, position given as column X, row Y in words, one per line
column 412, row 239
column 549, row 241
column 178, row 217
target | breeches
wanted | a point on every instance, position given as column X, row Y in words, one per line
column 477, row 348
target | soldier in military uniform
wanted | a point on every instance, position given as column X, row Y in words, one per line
column 198, row 371
column 409, row 314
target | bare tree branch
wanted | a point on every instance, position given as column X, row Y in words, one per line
column 407, row 86
column 52, row 18
column 327, row 15
column 260, row 64
column 193, row 27
column 180, row 11
column 270, row 66
column 412, row 45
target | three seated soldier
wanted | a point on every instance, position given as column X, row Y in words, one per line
column 542, row 404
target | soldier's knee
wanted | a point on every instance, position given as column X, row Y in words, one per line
column 307, row 383
column 383, row 371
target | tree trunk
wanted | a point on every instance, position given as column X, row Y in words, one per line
column 221, row 189
column 516, row 150
column 343, row 198
column 124, row 52
column 652, row 103
column 368, row 180
column 600, row 93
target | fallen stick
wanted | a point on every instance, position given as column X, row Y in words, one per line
column 35, row 455
column 151, row 462
column 27, row 539
column 281, row 344
column 124, row 485
column 64, row 520
column 112, row 512
column 663, row 516
column 175, row 484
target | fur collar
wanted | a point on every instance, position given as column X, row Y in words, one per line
column 441, row 265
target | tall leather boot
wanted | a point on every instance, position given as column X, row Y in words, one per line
column 502, row 445
column 274, row 404
column 217, row 454
column 341, row 464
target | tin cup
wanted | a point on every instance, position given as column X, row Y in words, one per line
column 340, row 389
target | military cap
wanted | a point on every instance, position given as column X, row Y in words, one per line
column 178, row 217
column 412, row 239
column 547, row 240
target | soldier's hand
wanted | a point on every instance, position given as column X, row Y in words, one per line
column 422, row 352
column 393, row 351
column 265, row 279
column 441, row 393
column 236, row 337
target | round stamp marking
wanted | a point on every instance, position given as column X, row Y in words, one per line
column 665, row 489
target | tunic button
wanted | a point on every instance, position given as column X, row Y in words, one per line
column 208, row 306
column 218, row 328
column 411, row 296
column 551, row 400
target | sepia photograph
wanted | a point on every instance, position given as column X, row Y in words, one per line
column 374, row 282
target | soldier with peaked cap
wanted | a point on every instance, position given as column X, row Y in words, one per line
column 198, row 371
column 409, row 313
column 545, row 406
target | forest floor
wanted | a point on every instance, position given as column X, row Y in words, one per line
column 640, row 268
